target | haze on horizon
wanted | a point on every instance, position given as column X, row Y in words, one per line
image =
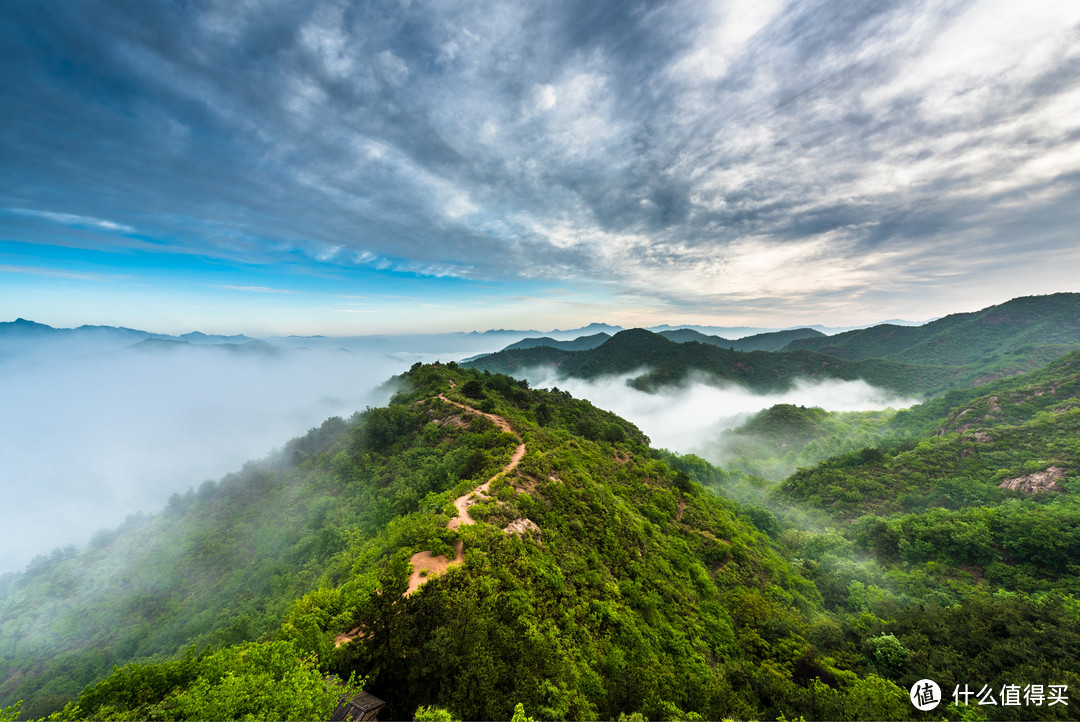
column 345, row 168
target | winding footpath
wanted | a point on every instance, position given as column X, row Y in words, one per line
column 432, row 565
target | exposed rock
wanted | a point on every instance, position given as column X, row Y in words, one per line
column 1039, row 481
column 520, row 527
column 455, row 421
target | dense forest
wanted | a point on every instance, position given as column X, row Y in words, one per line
column 478, row 548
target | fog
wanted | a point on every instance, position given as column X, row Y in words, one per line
column 691, row 417
column 91, row 432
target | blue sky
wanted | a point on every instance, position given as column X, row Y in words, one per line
column 369, row 167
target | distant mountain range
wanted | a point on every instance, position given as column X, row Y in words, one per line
column 964, row 349
column 251, row 346
column 664, row 362
column 958, row 350
column 771, row 341
column 737, row 336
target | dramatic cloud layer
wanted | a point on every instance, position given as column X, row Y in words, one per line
column 750, row 159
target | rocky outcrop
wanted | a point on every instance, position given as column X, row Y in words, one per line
column 1039, row 481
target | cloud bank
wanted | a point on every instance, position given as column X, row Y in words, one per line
column 689, row 418
column 88, row 440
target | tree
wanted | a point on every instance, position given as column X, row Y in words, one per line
column 473, row 389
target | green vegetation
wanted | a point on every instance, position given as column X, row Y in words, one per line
column 775, row 442
column 955, row 352
column 771, row 341
column 1019, row 335
column 578, row 344
column 644, row 585
column 670, row 363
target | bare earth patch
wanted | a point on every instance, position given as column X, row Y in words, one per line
column 426, row 565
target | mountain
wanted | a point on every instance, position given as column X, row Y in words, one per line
column 960, row 350
column 1018, row 333
column 664, row 362
column 23, row 327
column 738, row 332
column 473, row 545
column 771, row 341
column 723, row 331
column 762, row 342
column 1013, row 429
column 476, row 545
column 590, row 330
column 577, row 344
column 203, row 338
column 23, row 330
column 250, row 347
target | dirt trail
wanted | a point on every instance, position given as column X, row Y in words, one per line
column 426, row 565
column 432, row 565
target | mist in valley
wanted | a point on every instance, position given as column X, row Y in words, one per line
column 93, row 430
column 692, row 418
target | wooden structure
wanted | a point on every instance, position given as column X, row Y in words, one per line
column 363, row 707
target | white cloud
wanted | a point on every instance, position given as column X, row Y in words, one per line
column 689, row 417
column 71, row 219
column 722, row 36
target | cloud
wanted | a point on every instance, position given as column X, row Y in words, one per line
column 691, row 417
column 89, row 436
column 92, row 430
column 607, row 143
column 70, row 219
column 53, row 273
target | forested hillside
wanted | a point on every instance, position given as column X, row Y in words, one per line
column 662, row 362
column 769, row 341
column 630, row 588
column 957, row 351
column 577, row 344
column 477, row 544
column 1019, row 335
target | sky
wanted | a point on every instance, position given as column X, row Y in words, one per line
column 276, row 167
